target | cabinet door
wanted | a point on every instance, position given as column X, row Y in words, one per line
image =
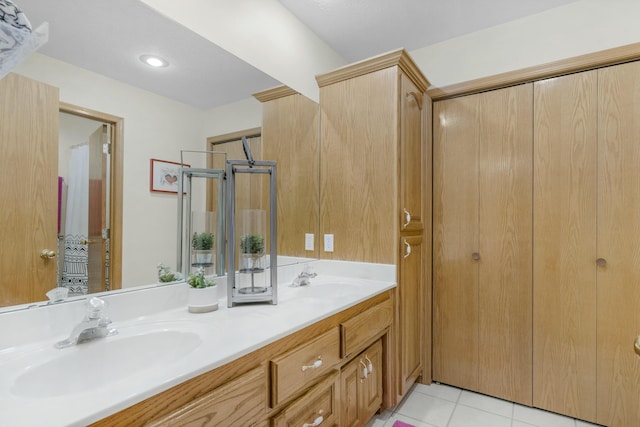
column 410, row 310
column 618, row 368
column 411, row 155
column 351, row 404
column 564, row 295
column 505, row 246
column 455, row 240
column 28, row 142
column 372, row 385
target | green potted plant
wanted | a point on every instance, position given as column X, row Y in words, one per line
column 203, row 292
column 202, row 249
column 252, row 252
column 165, row 275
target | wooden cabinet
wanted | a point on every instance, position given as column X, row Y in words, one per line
column 240, row 402
column 374, row 184
column 28, row 142
column 303, row 365
column 482, row 242
column 319, row 406
column 361, row 387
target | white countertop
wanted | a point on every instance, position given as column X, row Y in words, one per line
column 202, row 342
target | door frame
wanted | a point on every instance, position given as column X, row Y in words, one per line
column 116, row 172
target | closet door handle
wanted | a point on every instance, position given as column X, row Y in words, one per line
column 475, row 256
column 47, row 254
column 407, row 249
column 636, row 346
column 601, row 262
column 407, row 218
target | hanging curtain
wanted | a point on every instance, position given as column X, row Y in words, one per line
column 74, row 273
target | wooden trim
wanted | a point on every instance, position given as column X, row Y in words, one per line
column 228, row 137
column 274, row 93
column 588, row 61
column 398, row 57
column 117, row 165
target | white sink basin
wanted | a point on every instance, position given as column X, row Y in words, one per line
column 94, row 364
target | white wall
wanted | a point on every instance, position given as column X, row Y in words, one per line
column 154, row 127
column 575, row 29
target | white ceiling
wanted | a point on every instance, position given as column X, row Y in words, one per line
column 108, row 36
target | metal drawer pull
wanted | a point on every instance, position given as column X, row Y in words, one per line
column 365, row 372
column 315, row 364
column 317, row 421
column 407, row 218
column 369, row 364
column 407, row 250
column 636, row 346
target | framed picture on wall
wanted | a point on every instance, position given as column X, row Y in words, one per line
column 164, row 176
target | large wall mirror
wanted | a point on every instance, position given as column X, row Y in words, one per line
column 155, row 125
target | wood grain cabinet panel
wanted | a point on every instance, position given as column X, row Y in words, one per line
column 303, row 365
column 240, row 403
column 375, row 184
column 482, row 242
column 361, row 382
column 360, row 330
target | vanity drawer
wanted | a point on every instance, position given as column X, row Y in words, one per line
column 362, row 329
column 321, row 401
column 240, row 402
column 302, row 366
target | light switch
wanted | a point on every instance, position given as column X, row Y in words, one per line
column 328, row 242
column 308, row 241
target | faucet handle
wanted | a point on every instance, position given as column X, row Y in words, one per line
column 95, row 306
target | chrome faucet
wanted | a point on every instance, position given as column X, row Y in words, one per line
column 93, row 326
column 304, row 278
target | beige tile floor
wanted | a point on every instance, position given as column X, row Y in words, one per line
column 439, row 405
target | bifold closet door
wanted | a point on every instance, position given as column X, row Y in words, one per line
column 564, row 269
column 505, row 246
column 455, row 241
column 618, row 271
column 482, row 242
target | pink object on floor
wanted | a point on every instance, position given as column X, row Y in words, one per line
column 401, row 424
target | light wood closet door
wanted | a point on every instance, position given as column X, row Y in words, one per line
column 564, row 310
column 455, row 239
column 505, row 243
column 619, row 245
column 482, row 242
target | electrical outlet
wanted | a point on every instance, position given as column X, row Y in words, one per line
column 308, row 241
column 328, row 242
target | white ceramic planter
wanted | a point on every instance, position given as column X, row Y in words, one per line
column 202, row 300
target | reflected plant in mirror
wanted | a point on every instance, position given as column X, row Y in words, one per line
column 165, row 275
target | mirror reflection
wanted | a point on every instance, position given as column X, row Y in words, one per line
column 154, row 126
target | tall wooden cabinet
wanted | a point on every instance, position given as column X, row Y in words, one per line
column 482, row 242
column 374, row 190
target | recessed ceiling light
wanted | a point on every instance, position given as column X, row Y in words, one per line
column 154, row 61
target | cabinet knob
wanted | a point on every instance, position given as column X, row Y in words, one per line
column 636, row 346
column 407, row 218
column 475, row 256
column 601, row 262
column 407, row 249
column 47, row 254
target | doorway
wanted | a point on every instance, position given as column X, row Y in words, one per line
column 89, row 201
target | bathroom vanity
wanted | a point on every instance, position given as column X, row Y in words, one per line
column 321, row 354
